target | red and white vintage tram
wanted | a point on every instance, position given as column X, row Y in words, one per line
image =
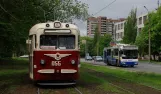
column 54, row 53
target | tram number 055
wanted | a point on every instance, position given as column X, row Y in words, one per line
column 56, row 63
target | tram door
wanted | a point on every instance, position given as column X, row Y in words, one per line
column 31, row 47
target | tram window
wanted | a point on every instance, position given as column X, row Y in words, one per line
column 115, row 52
column 108, row 52
column 66, row 42
column 79, row 41
column 48, row 40
column 57, row 41
column 121, row 52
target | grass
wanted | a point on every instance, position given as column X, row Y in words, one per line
column 96, row 84
column 12, row 73
column 148, row 79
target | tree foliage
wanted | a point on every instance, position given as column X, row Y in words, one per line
column 104, row 42
column 130, row 28
column 18, row 16
column 87, row 46
column 96, row 41
column 154, row 25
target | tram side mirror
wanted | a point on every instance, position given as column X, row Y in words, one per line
column 28, row 41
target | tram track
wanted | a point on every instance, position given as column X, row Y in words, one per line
column 126, row 90
column 38, row 90
column 4, row 91
column 53, row 90
column 77, row 90
column 125, row 84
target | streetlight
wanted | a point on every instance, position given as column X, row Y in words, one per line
column 149, row 35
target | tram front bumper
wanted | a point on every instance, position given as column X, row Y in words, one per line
column 52, row 74
column 129, row 63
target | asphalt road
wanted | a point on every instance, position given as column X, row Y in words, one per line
column 142, row 67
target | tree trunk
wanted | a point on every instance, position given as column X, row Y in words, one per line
column 154, row 57
column 97, row 49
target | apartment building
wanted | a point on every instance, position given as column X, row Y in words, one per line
column 119, row 26
column 105, row 26
column 141, row 19
column 92, row 22
column 119, row 30
column 115, row 27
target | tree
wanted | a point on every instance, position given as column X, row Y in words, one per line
column 99, row 42
column 104, row 42
column 87, row 46
column 141, row 42
column 153, row 24
column 18, row 16
column 130, row 28
column 96, row 41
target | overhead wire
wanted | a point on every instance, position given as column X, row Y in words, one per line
column 7, row 12
column 100, row 10
column 104, row 7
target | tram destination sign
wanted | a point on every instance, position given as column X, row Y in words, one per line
column 130, row 47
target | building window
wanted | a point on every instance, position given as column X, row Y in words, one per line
column 140, row 29
column 122, row 34
column 118, row 26
column 121, row 25
column 140, row 20
column 118, row 35
column 144, row 19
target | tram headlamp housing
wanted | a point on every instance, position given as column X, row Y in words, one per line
column 67, row 25
column 47, row 25
column 57, row 24
column 73, row 62
column 42, row 62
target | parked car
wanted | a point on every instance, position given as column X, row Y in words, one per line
column 24, row 56
column 93, row 57
column 98, row 58
column 88, row 58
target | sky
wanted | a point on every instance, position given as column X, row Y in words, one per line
column 118, row 9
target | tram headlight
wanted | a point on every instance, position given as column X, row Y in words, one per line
column 47, row 25
column 73, row 62
column 67, row 25
column 57, row 24
column 42, row 62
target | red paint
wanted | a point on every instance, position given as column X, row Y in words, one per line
column 65, row 64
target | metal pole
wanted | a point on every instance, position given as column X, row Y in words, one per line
column 158, row 4
column 44, row 16
column 149, row 36
column 85, row 50
column 149, row 45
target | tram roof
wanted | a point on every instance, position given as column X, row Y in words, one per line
column 35, row 28
column 123, row 46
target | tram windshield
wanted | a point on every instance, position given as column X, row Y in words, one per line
column 57, row 41
column 130, row 54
